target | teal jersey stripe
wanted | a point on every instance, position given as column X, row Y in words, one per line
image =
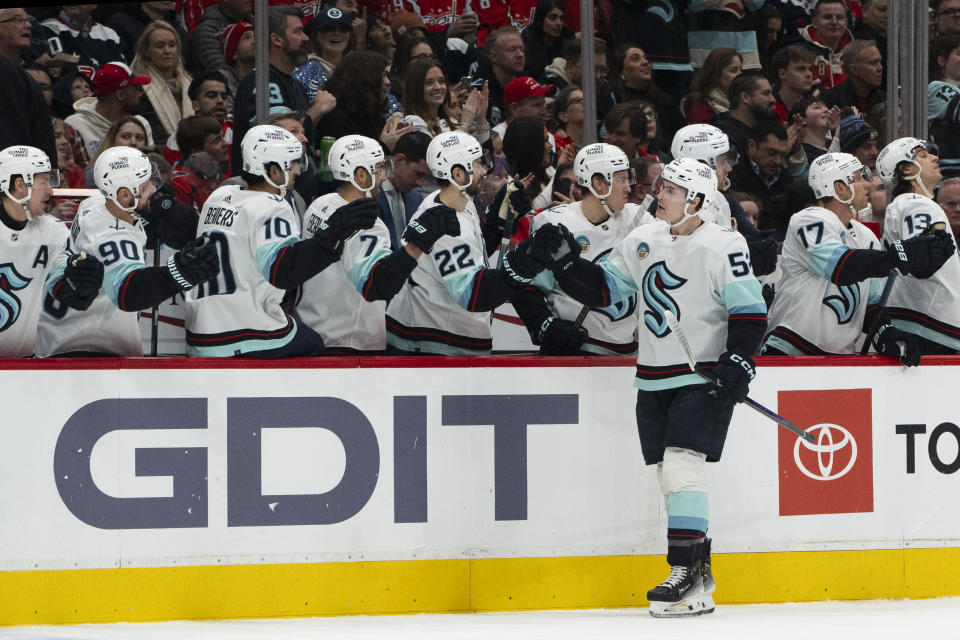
column 743, row 297
column 114, row 277
column 621, row 286
column 54, row 277
column 460, row 285
column 876, row 290
column 823, row 258
column 267, row 254
column 683, row 380
column 359, row 273
column 782, row 346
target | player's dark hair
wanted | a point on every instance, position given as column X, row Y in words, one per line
column 524, row 146
column 193, row 91
column 253, row 180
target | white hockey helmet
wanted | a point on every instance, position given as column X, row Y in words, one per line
column 901, row 150
column 697, row 179
column 350, row 153
column 452, row 149
column 122, row 168
column 26, row 162
column 703, row 142
column 605, row 159
column 830, row 168
column 267, row 143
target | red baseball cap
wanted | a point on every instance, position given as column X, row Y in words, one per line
column 525, row 87
column 114, row 76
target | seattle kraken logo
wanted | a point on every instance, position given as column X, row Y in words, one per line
column 10, row 281
column 845, row 304
column 618, row 310
column 656, row 282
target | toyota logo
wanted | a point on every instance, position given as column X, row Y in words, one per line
column 830, row 439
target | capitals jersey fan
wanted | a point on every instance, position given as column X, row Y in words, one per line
column 810, row 314
column 28, row 255
column 429, row 314
column 929, row 308
column 440, row 14
column 703, row 278
column 332, row 303
column 612, row 330
column 103, row 327
column 240, row 312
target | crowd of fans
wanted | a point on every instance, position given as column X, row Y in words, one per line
column 786, row 80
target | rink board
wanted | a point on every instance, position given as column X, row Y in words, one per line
column 194, row 489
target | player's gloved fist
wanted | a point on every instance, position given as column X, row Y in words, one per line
column 197, row 262
column 431, row 225
column 83, row 276
column 348, row 219
column 522, row 264
column 568, row 252
column 894, row 343
column 734, row 371
column 922, row 255
column 763, row 256
column 558, row 337
column 172, row 221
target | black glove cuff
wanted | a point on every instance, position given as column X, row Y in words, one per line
column 177, row 276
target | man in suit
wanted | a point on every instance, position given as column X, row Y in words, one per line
column 399, row 195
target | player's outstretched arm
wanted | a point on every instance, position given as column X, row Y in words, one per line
column 387, row 275
column 296, row 263
column 81, row 281
column 582, row 279
column 920, row 256
column 143, row 288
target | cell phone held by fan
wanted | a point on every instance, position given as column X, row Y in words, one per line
column 563, row 186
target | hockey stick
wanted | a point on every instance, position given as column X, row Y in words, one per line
column 674, row 325
column 155, row 320
column 878, row 319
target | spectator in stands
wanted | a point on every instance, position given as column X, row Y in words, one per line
column 380, row 37
column 762, row 174
column 209, row 98
column 41, row 76
column 860, row 139
column 626, row 127
column 708, row 91
column 425, row 96
column 647, row 170
column 203, row 161
column 406, row 24
column 524, row 97
column 751, row 100
column 71, row 172
column 873, row 26
column 205, row 38
column 863, row 87
column 126, row 131
column 117, row 93
column 330, row 38
column 410, row 51
column 660, row 28
column 239, row 55
column 526, row 144
column 505, row 51
column 399, row 195
column 545, row 38
column 750, row 204
column 769, row 25
column 943, row 99
column 157, row 55
column 631, row 78
column 305, row 185
column 568, row 114
column 566, row 70
column 69, row 88
column 654, row 146
column 792, row 72
column 728, row 24
column 948, row 197
column 826, row 36
column 78, row 34
column 947, row 14
column 131, row 21
column 814, row 115
column 288, row 45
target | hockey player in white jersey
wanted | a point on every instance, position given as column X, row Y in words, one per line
column 261, row 255
column 928, row 310
column 834, row 269
column 108, row 226
column 444, row 307
column 30, row 243
column 700, row 272
column 345, row 303
column 600, row 221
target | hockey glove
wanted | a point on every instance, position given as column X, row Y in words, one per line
column 734, row 372
column 431, row 225
column 922, row 255
column 894, row 343
column 81, row 282
column 522, row 264
column 763, row 256
column 346, row 221
column 173, row 222
column 558, row 337
column 564, row 257
column 197, row 262
column 519, row 202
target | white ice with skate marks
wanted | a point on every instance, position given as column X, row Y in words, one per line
column 873, row 619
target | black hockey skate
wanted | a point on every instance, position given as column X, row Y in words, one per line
column 681, row 594
column 706, row 575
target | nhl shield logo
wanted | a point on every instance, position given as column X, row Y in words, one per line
column 643, row 250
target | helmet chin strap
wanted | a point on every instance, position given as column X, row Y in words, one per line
column 283, row 187
column 916, row 177
column 603, row 198
column 686, row 215
column 848, row 201
column 23, row 202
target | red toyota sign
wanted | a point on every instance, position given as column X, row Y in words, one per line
column 835, row 473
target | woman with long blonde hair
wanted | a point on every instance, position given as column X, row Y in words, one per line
column 158, row 54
